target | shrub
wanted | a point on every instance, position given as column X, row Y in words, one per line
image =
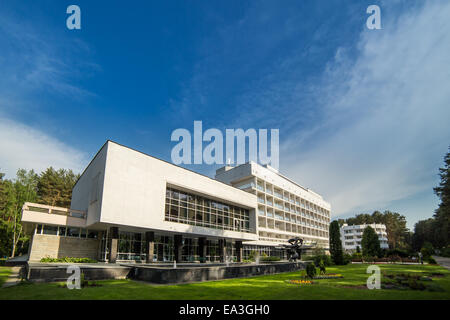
column 346, row 258
column 326, row 259
column 427, row 250
column 431, row 260
column 271, row 258
column 67, row 260
column 397, row 253
column 322, row 267
column 311, row 270
column 357, row 255
column 445, row 252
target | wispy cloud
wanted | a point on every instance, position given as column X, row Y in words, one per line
column 24, row 147
column 384, row 126
column 363, row 114
column 38, row 64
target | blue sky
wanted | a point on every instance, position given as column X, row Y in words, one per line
column 363, row 114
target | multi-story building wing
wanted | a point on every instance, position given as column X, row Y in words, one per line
column 131, row 206
column 285, row 209
column 351, row 236
column 127, row 205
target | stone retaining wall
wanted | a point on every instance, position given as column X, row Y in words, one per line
column 186, row 274
column 44, row 245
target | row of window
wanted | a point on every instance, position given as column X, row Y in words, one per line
column 187, row 200
column 224, row 217
column 66, row 231
column 291, row 198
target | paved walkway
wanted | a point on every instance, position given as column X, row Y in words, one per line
column 444, row 262
column 14, row 277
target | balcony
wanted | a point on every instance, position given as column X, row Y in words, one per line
column 44, row 214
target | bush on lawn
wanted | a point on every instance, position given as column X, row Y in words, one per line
column 311, row 270
column 357, row 255
column 322, row 267
column 427, row 250
column 396, row 253
column 326, row 259
column 431, row 260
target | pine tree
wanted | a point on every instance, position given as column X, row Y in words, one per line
column 336, row 244
column 370, row 243
column 442, row 214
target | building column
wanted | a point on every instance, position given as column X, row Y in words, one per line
column 239, row 250
column 149, row 245
column 178, row 247
column 222, row 250
column 113, row 244
column 202, row 245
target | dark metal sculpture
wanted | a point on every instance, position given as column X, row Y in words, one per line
column 293, row 249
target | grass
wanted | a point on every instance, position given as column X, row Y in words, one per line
column 260, row 287
column 4, row 274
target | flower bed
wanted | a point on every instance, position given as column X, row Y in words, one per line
column 329, row 276
column 299, row 282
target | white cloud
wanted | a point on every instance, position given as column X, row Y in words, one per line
column 38, row 64
column 385, row 128
column 24, row 147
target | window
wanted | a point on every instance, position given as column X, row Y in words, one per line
column 200, row 211
column 73, row 232
column 39, row 229
column 50, row 230
column 92, row 234
column 62, row 231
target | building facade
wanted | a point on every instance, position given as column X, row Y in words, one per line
column 284, row 208
column 351, row 236
column 129, row 206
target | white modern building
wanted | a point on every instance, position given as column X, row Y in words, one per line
column 351, row 236
column 128, row 205
column 285, row 209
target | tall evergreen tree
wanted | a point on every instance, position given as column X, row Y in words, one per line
column 55, row 187
column 442, row 214
column 335, row 243
column 370, row 243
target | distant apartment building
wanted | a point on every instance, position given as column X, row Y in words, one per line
column 351, row 236
column 284, row 208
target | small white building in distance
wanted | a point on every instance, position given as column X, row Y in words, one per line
column 351, row 236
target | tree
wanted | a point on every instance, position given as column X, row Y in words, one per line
column 442, row 214
column 335, row 243
column 370, row 243
column 55, row 187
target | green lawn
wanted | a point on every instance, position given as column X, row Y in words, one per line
column 4, row 274
column 261, row 287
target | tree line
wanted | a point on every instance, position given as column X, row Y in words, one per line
column 50, row 187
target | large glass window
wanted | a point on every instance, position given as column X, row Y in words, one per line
column 192, row 209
